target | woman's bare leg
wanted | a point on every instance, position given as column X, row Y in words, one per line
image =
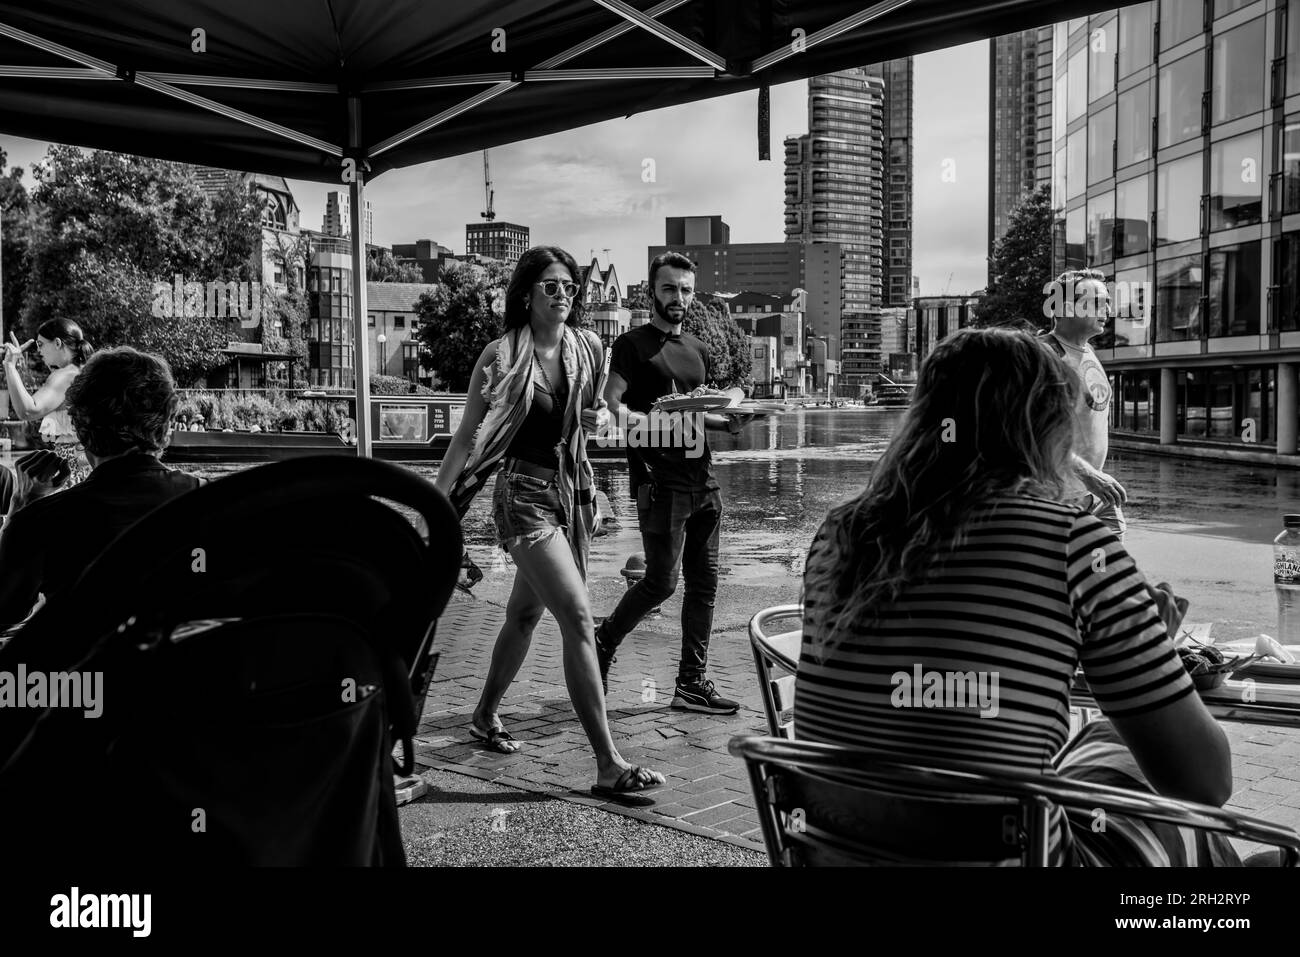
column 549, row 568
column 523, row 611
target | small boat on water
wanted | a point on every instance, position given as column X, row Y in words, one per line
column 893, row 395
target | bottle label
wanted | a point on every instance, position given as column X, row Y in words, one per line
column 1286, row 567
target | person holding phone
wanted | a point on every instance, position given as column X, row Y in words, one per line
column 64, row 349
column 533, row 396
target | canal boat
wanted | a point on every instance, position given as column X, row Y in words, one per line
column 893, row 395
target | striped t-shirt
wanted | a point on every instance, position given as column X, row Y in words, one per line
column 975, row 663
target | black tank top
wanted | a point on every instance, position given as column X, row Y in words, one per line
column 543, row 427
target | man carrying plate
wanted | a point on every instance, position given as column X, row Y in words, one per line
column 678, row 503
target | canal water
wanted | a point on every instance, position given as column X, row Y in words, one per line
column 1206, row 527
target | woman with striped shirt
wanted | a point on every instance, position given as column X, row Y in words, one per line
column 959, row 559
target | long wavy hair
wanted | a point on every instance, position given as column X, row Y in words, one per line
column 992, row 414
column 531, row 265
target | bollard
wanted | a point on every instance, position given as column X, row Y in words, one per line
column 633, row 572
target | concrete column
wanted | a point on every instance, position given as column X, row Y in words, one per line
column 1286, row 408
column 1168, row 406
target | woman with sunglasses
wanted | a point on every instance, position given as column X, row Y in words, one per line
column 533, row 395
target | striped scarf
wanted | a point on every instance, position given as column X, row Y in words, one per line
column 508, row 391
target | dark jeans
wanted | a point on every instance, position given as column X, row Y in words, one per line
column 677, row 529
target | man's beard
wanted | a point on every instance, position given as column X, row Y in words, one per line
column 662, row 311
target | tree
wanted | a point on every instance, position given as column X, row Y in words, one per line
column 459, row 317
column 285, row 330
column 1020, row 267
column 728, row 345
column 107, row 226
column 15, row 235
column 381, row 266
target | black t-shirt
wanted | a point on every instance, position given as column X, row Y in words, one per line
column 48, row 544
column 654, row 363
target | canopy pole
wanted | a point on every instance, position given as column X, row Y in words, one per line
column 360, row 333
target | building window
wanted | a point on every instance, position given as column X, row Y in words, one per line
column 1292, row 47
column 1223, row 7
column 1101, row 60
column 1285, row 316
column 1178, row 299
column 1133, row 215
column 1058, row 179
column 1288, row 162
column 370, row 321
column 1134, row 38
column 1101, row 145
column 1234, row 290
column 399, row 322
column 1133, row 135
column 789, row 340
column 1101, row 228
column 1075, row 239
column 1181, row 85
column 1235, row 188
column 1239, row 63
column 1180, row 20
column 1133, row 307
column 1178, row 192
column 279, row 274
column 1076, row 159
column 1076, row 86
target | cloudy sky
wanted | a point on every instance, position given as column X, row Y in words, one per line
column 583, row 189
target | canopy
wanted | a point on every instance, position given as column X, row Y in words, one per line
column 315, row 89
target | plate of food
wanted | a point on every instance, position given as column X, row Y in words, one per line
column 1269, row 658
column 1209, row 667
column 703, row 399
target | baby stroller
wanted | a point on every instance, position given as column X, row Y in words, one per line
column 263, row 642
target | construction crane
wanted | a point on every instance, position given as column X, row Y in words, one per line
column 487, row 214
column 946, row 285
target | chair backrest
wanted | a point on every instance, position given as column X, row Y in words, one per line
column 776, row 657
column 822, row 805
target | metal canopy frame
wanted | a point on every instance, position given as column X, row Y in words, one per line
column 170, row 84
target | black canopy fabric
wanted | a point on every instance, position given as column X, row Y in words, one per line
column 292, row 88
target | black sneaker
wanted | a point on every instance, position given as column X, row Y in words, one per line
column 604, row 659
column 703, row 696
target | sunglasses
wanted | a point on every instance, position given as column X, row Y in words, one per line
column 552, row 286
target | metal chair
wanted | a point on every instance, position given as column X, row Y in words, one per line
column 823, row 805
column 776, row 656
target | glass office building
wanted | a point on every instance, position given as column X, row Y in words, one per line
column 1176, row 170
column 834, row 193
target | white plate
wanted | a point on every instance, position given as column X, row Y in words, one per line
column 1262, row 669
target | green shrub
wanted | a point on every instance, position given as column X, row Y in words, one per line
column 395, row 385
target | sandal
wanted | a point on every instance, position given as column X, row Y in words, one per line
column 623, row 790
column 494, row 738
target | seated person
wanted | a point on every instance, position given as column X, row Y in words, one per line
column 122, row 405
column 959, row 556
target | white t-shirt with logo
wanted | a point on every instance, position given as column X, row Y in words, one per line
column 1092, row 413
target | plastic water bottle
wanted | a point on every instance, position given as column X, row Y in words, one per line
column 1286, row 579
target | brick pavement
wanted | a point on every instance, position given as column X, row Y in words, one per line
column 707, row 790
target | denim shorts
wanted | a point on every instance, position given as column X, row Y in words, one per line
column 526, row 509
